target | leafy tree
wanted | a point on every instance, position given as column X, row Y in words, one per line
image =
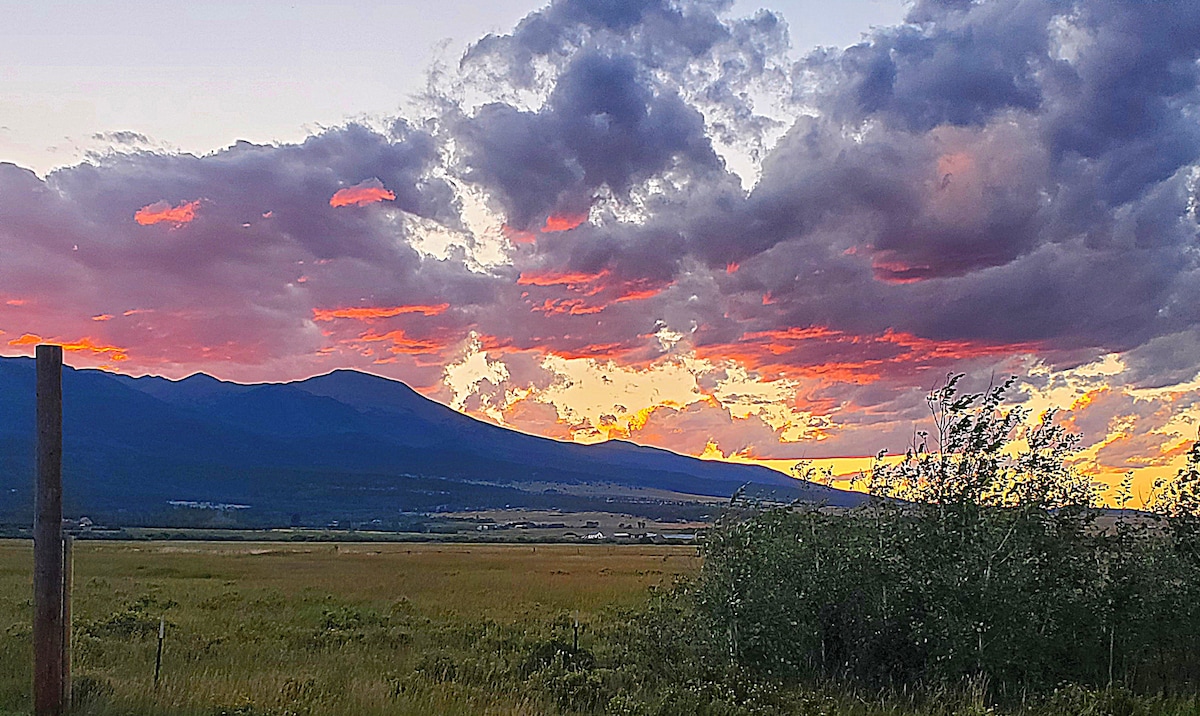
column 983, row 555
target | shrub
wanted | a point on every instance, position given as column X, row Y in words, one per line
column 139, row 619
column 981, row 555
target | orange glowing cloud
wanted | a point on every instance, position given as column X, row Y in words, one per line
column 161, row 212
column 402, row 343
column 552, row 346
column 587, row 285
column 783, row 340
column 889, row 270
column 930, row 349
column 368, row 313
column 89, row 346
column 571, row 307
column 83, row 345
column 822, row 352
column 636, row 294
column 563, row 222
column 103, row 317
column 568, row 279
column 361, row 194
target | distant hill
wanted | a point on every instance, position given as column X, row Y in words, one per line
column 347, row 444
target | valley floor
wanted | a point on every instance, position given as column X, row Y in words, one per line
column 274, row 628
column 359, row 629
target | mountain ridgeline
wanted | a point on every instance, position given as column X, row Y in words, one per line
column 343, row 445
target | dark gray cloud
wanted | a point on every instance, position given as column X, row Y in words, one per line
column 602, row 126
column 999, row 172
column 1027, row 165
column 1163, row 361
column 955, row 64
column 663, row 34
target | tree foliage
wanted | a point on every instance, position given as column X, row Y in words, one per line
column 983, row 555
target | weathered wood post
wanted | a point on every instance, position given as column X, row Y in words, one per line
column 68, row 586
column 162, row 633
column 47, row 538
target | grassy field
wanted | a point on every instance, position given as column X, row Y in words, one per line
column 282, row 629
column 272, row 628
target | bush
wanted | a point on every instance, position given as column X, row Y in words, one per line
column 139, row 619
column 981, row 555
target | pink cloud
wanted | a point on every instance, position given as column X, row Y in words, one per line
column 161, row 212
column 370, row 191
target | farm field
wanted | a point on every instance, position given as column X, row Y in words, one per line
column 277, row 628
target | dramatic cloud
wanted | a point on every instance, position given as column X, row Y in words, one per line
column 236, row 282
column 640, row 219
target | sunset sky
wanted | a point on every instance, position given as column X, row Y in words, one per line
column 743, row 233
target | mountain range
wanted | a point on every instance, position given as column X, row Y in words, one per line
column 347, row 445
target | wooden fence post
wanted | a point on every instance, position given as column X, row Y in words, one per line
column 47, row 538
column 162, row 633
column 68, row 587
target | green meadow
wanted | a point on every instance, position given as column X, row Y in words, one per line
column 273, row 628
column 284, row 629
